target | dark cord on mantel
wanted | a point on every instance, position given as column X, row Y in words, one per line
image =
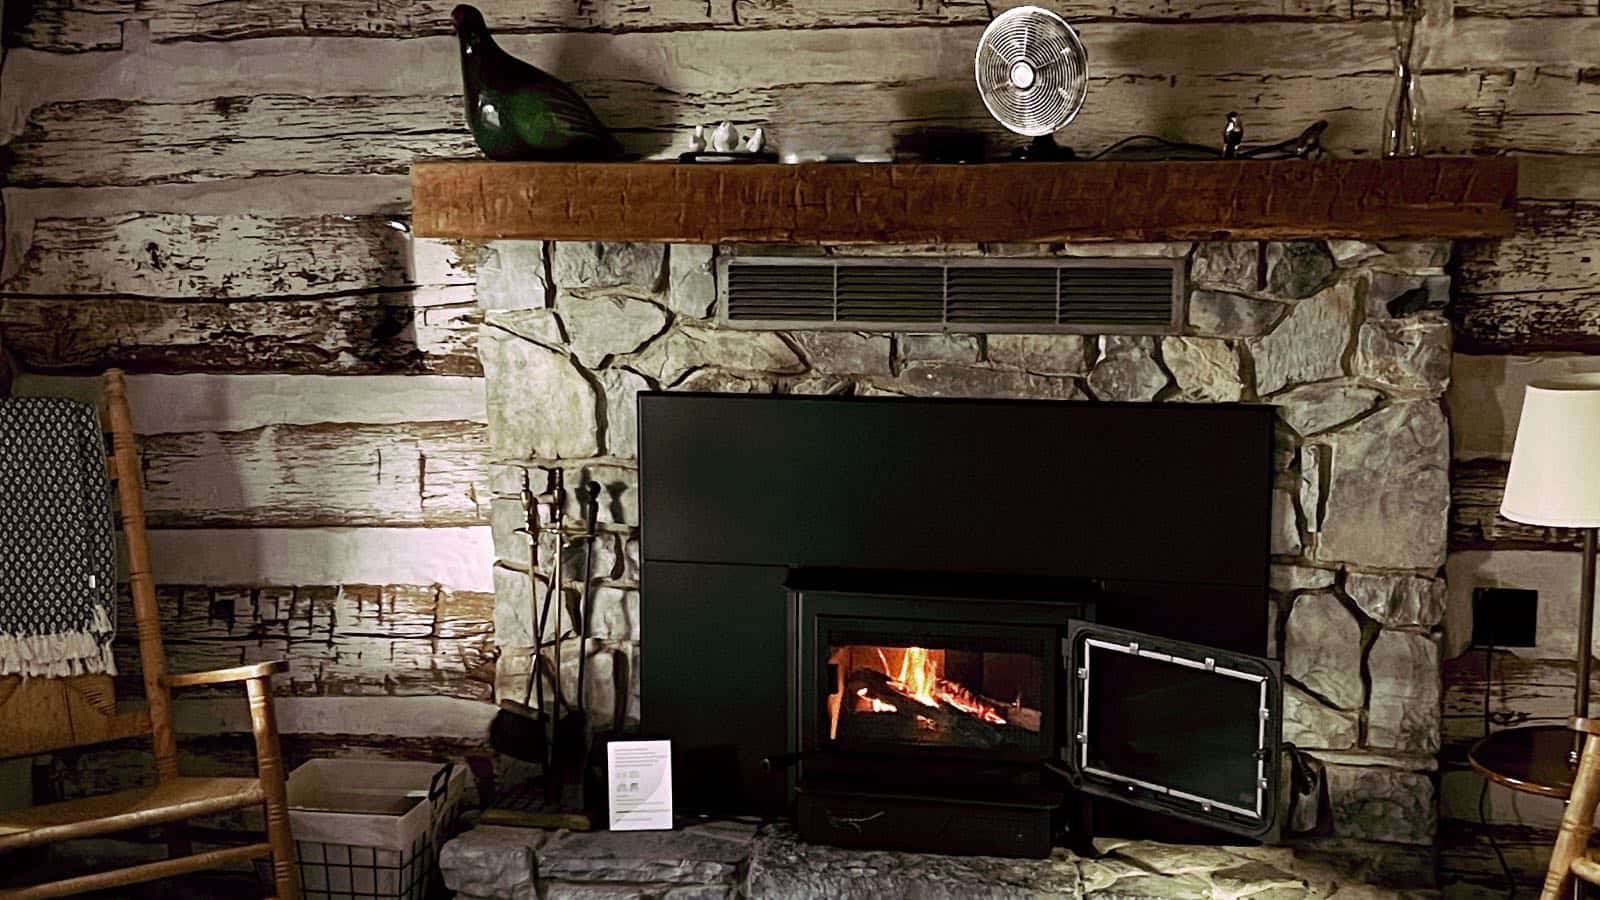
column 1305, row 145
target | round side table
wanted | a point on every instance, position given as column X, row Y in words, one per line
column 1535, row 760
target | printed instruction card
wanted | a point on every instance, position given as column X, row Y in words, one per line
column 641, row 785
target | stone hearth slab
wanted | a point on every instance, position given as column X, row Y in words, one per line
column 733, row 860
column 704, row 854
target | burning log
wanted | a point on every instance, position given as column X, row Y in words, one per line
column 1025, row 718
column 881, row 709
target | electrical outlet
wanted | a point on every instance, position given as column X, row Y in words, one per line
column 1504, row 617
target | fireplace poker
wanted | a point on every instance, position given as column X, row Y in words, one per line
column 591, row 512
column 558, row 515
column 570, row 746
column 519, row 729
column 572, row 723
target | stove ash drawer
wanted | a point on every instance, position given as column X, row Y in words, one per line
column 917, row 823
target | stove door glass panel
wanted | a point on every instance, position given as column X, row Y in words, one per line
column 1163, row 723
column 1185, row 729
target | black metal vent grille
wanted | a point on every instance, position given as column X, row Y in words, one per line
column 889, row 294
column 1109, row 295
column 1010, row 295
column 790, row 293
column 956, row 295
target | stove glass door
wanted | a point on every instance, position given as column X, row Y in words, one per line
column 1186, row 729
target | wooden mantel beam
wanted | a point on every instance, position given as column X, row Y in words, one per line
column 851, row 203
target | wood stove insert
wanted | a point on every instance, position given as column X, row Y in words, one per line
column 970, row 718
column 785, row 535
column 929, row 716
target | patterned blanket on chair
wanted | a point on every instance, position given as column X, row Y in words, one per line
column 58, row 552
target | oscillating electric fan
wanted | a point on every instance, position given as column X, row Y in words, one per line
column 1033, row 74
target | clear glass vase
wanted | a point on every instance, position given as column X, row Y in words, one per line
column 1403, row 116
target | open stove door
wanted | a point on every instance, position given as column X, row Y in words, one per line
column 1181, row 729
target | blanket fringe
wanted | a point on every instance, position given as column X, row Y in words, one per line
column 58, row 655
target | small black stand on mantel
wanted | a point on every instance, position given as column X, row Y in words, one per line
column 1543, row 759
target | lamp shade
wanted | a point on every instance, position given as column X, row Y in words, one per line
column 1555, row 465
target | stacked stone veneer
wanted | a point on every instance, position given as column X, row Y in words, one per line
column 1346, row 338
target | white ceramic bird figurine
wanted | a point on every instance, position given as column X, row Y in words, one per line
column 756, row 141
column 697, row 141
column 725, row 139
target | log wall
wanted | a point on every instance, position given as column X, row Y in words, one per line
column 212, row 195
column 1525, row 308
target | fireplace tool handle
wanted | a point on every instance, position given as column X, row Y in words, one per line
column 567, row 777
column 557, row 517
column 591, row 514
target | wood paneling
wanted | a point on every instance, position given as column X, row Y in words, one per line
column 278, row 134
column 1523, row 691
column 354, row 116
column 287, row 196
column 63, row 25
column 1476, row 487
column 205, row 402
column 357, row 335
column 1525, row 9
column 1536, row 291
column 235, row 257
column 909, row 203
column 403, row 716
column 267, row 134
column 1563, row 176
column 457, row 557
column 1520, row 691
column 1552, row 250
column 340, row 640
column 1485, row 397
column 422, row 473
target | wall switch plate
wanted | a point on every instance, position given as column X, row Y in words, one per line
column 1504, row 617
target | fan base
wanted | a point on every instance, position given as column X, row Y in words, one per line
column 1043, row 149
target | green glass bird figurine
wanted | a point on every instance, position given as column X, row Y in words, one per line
column 518, row 111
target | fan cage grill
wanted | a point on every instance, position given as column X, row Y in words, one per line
column 1032, row 71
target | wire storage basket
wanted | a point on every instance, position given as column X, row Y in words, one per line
column 370, row 829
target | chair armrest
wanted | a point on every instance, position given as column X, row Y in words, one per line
column 223, row 676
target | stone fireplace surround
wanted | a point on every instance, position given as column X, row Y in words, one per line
column 1346, row 338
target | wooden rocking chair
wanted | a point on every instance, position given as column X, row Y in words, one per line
column 1571, row 860
column 38, row 715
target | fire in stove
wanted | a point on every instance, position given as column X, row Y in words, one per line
column 915, row 694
